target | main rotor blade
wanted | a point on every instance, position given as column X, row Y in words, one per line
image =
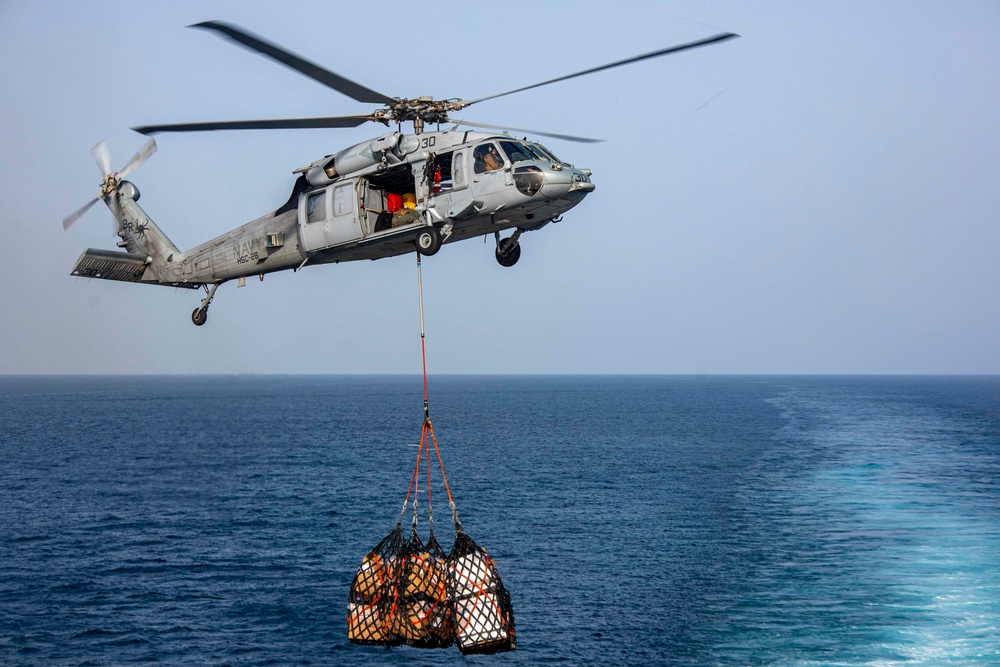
column 277, row 124
column 138, row 158
column 567, row 137
column 101, row 156
column 76, row 215
column 297, row 63
column 673, row 49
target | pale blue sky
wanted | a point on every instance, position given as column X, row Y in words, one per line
column 819, row 196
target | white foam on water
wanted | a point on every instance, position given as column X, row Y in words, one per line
column 895, row 520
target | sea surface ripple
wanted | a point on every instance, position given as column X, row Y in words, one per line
column 651, row 520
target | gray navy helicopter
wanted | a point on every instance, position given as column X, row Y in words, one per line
column 391, row 195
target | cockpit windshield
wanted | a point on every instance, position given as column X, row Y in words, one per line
column 517, row 152
column 544, row 153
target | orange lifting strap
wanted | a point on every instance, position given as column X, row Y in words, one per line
column 427, row 437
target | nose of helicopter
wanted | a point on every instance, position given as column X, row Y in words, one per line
column 567, row 183
column 581, row 182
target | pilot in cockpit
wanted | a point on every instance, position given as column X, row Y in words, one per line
column 487, row 158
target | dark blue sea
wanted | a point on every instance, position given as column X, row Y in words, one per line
column 635, row 520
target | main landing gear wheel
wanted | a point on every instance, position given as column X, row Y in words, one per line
column 429, row 241
column 200, row 313
column 508, row 252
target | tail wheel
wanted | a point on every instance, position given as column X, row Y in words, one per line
column 508, row 252
column 429, row 241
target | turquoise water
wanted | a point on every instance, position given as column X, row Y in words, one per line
column 635, row 520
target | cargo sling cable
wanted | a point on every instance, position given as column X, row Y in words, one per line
column 482, row 615
column 411, row 592
column 428, row 428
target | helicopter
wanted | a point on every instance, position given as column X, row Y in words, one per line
column 394, row 194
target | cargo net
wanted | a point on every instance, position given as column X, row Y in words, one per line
column 407, row 591
column 372, row 592
column 482, row 615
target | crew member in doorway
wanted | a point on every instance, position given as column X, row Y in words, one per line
column 408, row 214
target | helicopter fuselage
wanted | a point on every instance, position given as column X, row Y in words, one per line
column 345, row 212
column 348, row 206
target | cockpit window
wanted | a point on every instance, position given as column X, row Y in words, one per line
column 486, row 158
column 545, row 153
column 516, row 151
column 539, row 153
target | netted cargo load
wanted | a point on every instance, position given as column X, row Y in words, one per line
column 421, row 614
column 372, row 595
column 399, row 595
column 410, row 592
column 481, row 610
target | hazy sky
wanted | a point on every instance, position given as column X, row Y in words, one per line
column 819, row 196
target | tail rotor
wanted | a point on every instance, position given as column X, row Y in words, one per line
column 112, row 180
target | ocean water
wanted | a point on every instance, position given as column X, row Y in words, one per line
column 635, row 520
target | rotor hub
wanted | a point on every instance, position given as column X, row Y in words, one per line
column 110, row 184
column 427, row 109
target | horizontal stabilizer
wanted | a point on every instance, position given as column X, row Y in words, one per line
column 110, row 265
column 125, row 266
